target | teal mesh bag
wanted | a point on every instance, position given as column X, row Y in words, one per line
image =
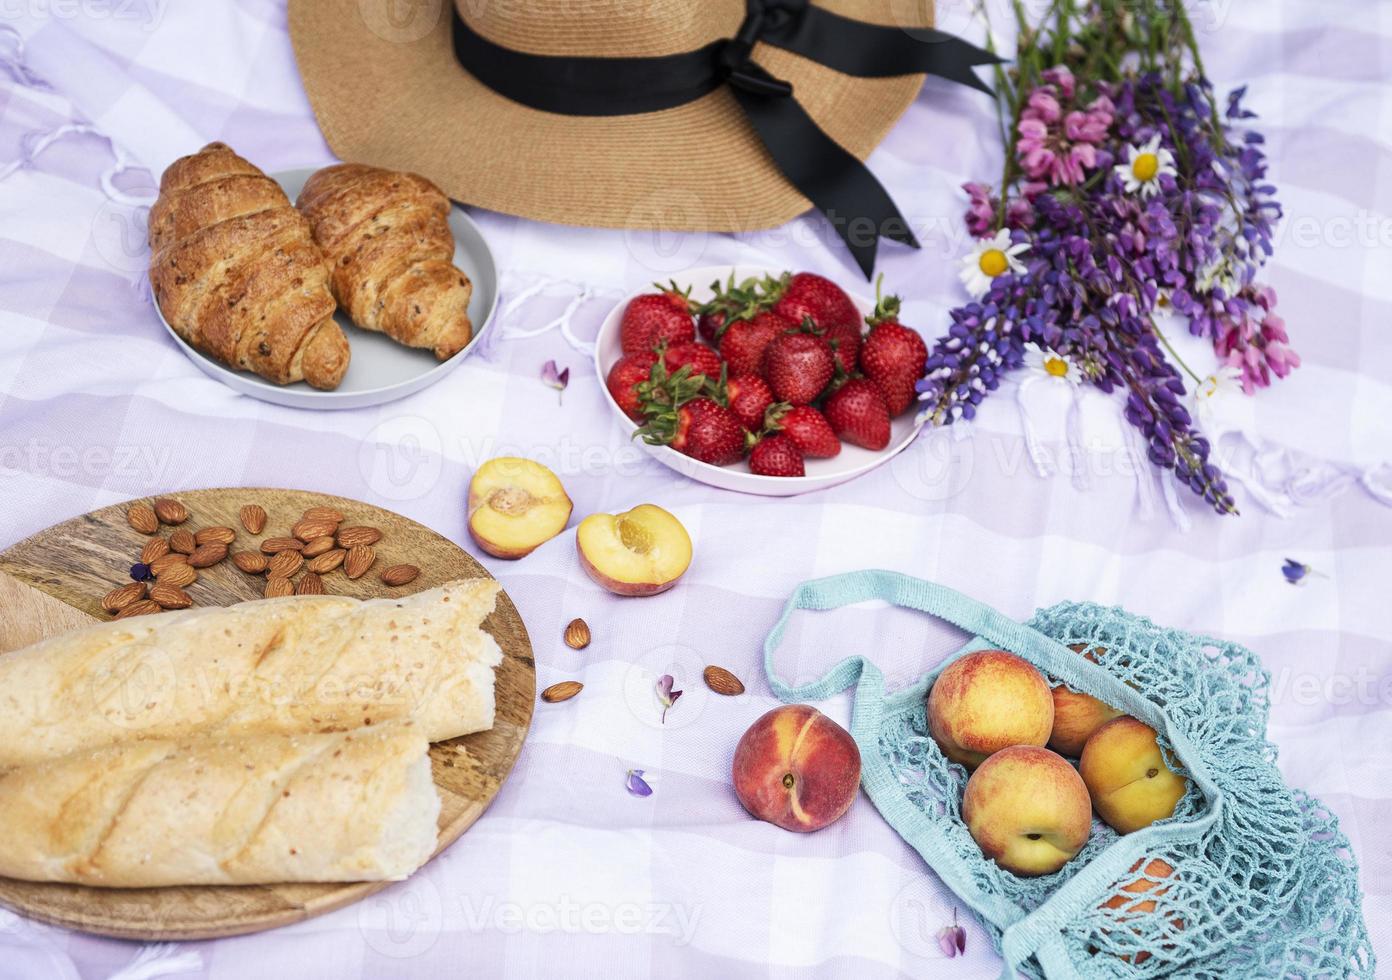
column 1263, row 882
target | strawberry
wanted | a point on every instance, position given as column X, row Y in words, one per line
column 743, row 341
column 858, row 414
column 748, row 396
column 798, row 366
column 625, row 377
column 656, row 318
column 798, row 297
column 700, row 428
column 776, row 455
column 807, row 427
column 893, row 355
column 701, row 358
column 730, row 302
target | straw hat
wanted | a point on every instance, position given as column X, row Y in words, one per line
column 388, row 90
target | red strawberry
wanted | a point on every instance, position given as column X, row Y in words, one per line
column 798, row 366
column 776, row 455
column 807, row 427
column 858, row 414
column 656, row 318
column 732, row 302
column 797, row 297
column 893, row 355
column 748, row 396
column 625, row 376
column 701, row 358
column 743, row 342
column 701, row 429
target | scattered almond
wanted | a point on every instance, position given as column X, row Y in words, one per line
column 577, row 634
column 323, row 514
column 327, row 562
column 318, row 546
column 358, row 560
column 170, row 511
column 309, row 584
column 154, row 548
column 563, row 691
column 721, row 681
column 216, row 535
column 251, row 562
column 284, row 564
column 278, row 587
column 163, row 563
column 142, row 608
column 118, row 599
column 400, row 575
column 253, row 518
column 180, row 575
column 207, row 554
column 182, row 541
column 170, row 596
column 273, row 546
column 307, row 530
column 350, row 537
column 143, row 519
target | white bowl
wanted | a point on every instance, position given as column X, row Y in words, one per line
column 821, row 473
column 381, row 370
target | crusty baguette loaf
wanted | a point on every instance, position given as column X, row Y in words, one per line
column 353, row 806
column 299, row 664
column 236, row 272
column 387, row 239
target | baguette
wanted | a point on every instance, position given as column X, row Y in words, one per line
column 354, row 806
column 272, row 666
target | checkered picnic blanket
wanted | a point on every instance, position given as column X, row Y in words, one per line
column 567, row 873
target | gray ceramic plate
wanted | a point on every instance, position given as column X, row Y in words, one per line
column 381, row 370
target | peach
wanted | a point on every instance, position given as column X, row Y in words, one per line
column 987, row 701
column 642, row 551
column 797, row 769
column 1028, row 810
column 1126, row 774
column 1077, row 716
column 515, row 505
column 1156, row 870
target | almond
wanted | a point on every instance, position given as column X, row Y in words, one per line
column 182, row 541
column 207, row 554
column 273, row 546
column 154, row 548
column 180, row 575
column 350, row 537
column 142, row 608
column 170, row 511
column 308, row 530
column 163, row 563
column 253, row 518
column 251, row 562
column 278, row 587
column 327, row 562
column 323, row 514
column 563, row 691
column 318, row 546
column 399, row 575
column 216, row 535
column 577, row 634
column 170, row 596
column 284, row 564
column 309, row 584
column 721, row 681
column 358, row 560
column 118, row 599
column 143, row 519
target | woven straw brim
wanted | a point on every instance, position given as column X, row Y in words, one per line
column 406, row 104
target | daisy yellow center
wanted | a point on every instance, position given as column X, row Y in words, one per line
column 1056, row 367
column 993, row 262
column 1145, row 166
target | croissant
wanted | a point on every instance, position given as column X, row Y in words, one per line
column 387, row 237
column 236, row 272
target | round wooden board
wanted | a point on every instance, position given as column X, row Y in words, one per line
column 51, row 581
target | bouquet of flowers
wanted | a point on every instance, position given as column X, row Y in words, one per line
column 1128, row 192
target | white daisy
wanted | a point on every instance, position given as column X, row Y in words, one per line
column 1144, row 167
column 1051, row 364
column 991, row 257
column 1226, row 380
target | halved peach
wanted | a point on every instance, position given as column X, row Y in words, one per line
column 642, row 551
column 515, row 505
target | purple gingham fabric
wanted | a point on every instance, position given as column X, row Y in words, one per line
column 567, row 874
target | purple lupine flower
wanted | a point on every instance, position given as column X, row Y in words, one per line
column 981, row 213
column 1295, row 571
column 636, row 784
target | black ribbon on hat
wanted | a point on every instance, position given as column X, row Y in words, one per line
column 837, row 183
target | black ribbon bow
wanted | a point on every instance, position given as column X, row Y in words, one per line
column 837, row 183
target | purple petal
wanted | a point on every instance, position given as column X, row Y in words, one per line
column 554, row 376
column 664, row 688
column 636, row 784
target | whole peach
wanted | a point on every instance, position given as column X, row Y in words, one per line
column 1028, row 810
column 797, row 769
column 987, row 701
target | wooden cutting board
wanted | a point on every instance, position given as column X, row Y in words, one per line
column 54, row 582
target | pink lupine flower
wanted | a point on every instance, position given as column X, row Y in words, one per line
column 1256, row 344
column 1056, row 145
column 981, row 213
column 1061, row 78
